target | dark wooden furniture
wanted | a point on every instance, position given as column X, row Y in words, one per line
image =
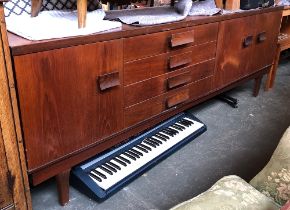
column 282, row 44
column 82, row 95
column 14, row 188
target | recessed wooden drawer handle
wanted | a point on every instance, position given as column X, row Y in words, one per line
column 177, row 99
column 108, row 81
column 261, row 37
column 178, row 80
column 183, row 38
column 248, row 41
column 180, row 60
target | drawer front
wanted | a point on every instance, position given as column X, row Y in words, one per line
column 202, row 70
column 154, row 106
column 144, row 90
column 158, row 43
column 143, row 69
column 201, row 88
column 203, row 52
column 144, row 110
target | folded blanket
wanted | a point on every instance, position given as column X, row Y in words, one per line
column 152, row 16
column 57, row 24
column 207, row 7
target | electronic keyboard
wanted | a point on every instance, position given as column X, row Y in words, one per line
column 106, row 173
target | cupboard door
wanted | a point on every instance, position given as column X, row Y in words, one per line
column 266, row 37
column 69, row 98
column 234, row 50
column 5, row 193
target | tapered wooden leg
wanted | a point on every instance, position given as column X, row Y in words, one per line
column 62, row 181
column 82, row 12
column 35, row 7
column 272, row 74
column 258, row 82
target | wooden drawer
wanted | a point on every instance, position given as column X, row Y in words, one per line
column 202, row 70
column 201, row 88
column 141, row 91
column 157, row 43
column 156, row 105
column 144, row 90
column 146, row 68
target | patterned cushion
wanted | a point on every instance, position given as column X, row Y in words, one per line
column 19, row 7
column 229, row 193
column 274, row 179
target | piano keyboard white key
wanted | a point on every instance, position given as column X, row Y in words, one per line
column 146, row 157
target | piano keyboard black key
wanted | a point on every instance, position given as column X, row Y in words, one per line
column 129, row 156
column 114, row 165
column 110, row 167
column 137, row 152
column 141, row 148
column 177, row 127
column 106, row 170
column 168, row 133
column 133, row 153
column 156, row 140
column 173, row 130
column 183, row 123
column 161, row 135
column 144, row 146
column 99, row 174
column 153, row 142
column 188, row 121
column 95, row 177
column 124, row 159
column 149, row 143
column 119, row 161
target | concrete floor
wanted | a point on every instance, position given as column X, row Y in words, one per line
column 238, row 141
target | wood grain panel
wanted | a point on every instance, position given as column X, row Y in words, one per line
column 144, row 90
column 203, row 52
column 200, row 88
column 205, row 33
column 5, row 194
column 233, row 58
column 144, row 110
column 158, row 43
column 202, row 70
column 69, row 111
column 178, row 80
column 266, row 33
column 178, row 98
column 180, row 60
column 145, row 68
column 183, row 38
column 146, row 45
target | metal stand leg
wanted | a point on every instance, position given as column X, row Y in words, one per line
column 233, row 102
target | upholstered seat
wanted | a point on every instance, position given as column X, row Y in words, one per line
column 268, row 190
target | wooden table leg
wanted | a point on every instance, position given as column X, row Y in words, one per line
column 272, row 74
column 35, row 7
column 62, row 181
column 82, row 12
column 258, row 82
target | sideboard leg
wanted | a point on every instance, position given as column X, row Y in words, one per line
column 35, row 7
column 62, row 181
column 82, row 13
column 272, row 74
column 258, row 82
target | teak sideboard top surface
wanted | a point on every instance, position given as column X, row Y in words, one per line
column 79, row 96
column 20, row 46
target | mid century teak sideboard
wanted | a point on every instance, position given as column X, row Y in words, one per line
column 79, row 96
